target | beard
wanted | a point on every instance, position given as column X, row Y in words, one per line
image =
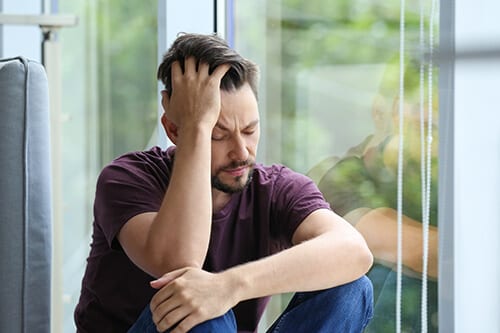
column 239, row 183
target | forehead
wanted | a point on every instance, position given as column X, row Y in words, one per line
column 239, row 105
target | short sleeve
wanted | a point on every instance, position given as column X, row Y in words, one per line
column 294, row 198
column 131, row 185
column 348, row 185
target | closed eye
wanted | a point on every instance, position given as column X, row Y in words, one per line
column 219, row 137
column 249, row 132
column 251, row 128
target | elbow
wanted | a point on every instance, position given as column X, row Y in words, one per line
column 162, row 256
column 161, row 268
column 363, row 258
column 167, row 264
column 162, row 262
column 185, row 264
column 366, row 259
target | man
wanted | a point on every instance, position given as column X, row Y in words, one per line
column 219, row 232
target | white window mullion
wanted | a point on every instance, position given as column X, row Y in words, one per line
column 175, row 16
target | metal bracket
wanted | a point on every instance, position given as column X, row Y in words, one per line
column 44, row 21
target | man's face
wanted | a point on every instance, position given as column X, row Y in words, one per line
column 234, row 140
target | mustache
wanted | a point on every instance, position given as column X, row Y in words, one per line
column 237, row 164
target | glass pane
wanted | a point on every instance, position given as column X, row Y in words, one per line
column 330, row 105
column 109, row 107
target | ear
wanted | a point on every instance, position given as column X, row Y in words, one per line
column 170, row 128
column 165, row 99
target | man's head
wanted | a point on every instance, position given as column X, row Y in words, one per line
column 236, row 134
column 214, row 51
column 235, row 139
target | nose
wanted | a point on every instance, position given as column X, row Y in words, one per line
column 239, row 151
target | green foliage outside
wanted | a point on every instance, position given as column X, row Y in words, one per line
column 323, row 33
column 127, row 47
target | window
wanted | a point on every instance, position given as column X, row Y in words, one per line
column 330, row 106
column 109, row 107
column 324, row 64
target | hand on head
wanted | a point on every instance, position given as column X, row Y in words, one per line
column 195, row 96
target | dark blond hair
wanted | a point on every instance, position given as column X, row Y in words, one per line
column 214, row 51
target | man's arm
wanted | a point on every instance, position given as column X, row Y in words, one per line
column 178, row 234
column 379, row 228
column 327, row 252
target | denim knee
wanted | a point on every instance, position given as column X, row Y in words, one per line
column 363, row 286
column 223, row 324
column 362, row 289
column 355, row 301
column 346, row 308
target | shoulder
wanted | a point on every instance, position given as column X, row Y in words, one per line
column 153, row 156
column 283, row 181
column 140, row 172
column 139, row 164
column 277, row 173
column 131, row 184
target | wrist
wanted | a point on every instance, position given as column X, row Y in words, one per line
column 193, row 135
column 196, row 129
column 237, row 285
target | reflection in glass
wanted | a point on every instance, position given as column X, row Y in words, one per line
column 330, row 109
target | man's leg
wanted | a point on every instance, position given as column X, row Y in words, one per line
column 222, row 324
column 345, row 309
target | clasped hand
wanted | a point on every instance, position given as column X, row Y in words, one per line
column 188, row 297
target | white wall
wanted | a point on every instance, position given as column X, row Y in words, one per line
column 477, row 168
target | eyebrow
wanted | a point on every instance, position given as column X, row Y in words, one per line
column 250, row 125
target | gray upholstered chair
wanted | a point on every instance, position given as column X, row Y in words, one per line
column 25, row 197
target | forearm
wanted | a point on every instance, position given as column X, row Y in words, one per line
column 322, row 262
column 379, row 228
column 180, row 232
column 328, row 252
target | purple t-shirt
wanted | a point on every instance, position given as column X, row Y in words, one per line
column 255, row 223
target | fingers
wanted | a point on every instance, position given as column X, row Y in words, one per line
column 160, row 283
column 175, row 313
column 192, row 66
column 179, row 320
column 166, row 314
column 176, row 70
column 186, row 300
column 187, row 324
column 170, row 319
column 195, row 95
column 160, row 298
column 165, row 293
column 166, row 278
column 220, row 71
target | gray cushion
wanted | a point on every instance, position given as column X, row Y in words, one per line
column 25, row 197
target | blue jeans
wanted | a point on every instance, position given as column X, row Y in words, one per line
column 345, row 309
